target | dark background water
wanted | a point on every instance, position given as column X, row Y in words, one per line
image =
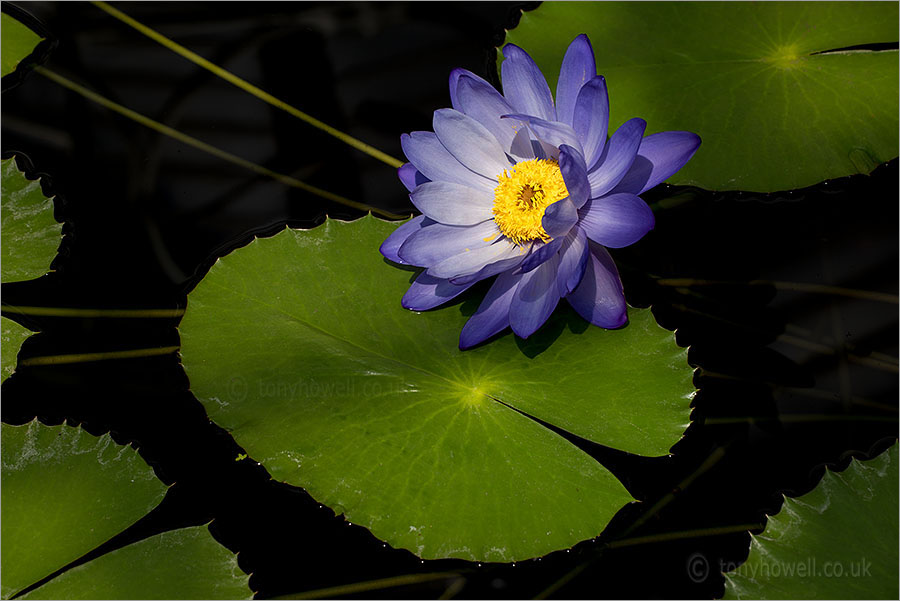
column 788, row 381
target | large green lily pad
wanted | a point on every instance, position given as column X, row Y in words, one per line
column 837, row 542
column 181, row 564
column 64, row 493
column 773, row 113
column 30, row 234
column 297, row 344
column 17, row 40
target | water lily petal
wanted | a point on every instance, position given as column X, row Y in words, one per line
column 453, row 204
column 659, row 157
column 578, row 67
column 410, row 176
column 616, row 220
column 473, row 260
column 573, row 256
column 553, row 133
column 535, row 299
column 428, row 292
column 393, row 243
column 478, row 99
column 470, row 142
column 455, row 74
column 617, row 157
column 541, row 253
column 599, row 297
column 428, row 155
column 435, row 242
column 591, row 118
column 492, row 315
column 543, row 150
column 574, row 172
column 522, row 147
column 524, row 85
column 559, row 218
column 491, row 269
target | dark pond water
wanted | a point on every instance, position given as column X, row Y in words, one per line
column 789, row 381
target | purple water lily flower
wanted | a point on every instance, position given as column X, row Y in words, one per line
column 518, row 187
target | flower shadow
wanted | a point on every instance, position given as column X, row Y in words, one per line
column 564, row 317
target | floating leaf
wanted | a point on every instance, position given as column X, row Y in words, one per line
column 181, row 564
column 18, row 41
column 837, row 542
column 297, row 345
column 14, row 336
column 748, row 77
column 30, row 235
column 64, row 493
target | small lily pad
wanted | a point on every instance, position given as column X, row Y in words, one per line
column 30, row 234
column 14, row 336
column 180, row 564
column 65, row 492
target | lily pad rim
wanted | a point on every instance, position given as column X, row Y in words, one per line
column 30, row 172
column 208, row 524
column 857, row 458
column 41, row 52
column 133, row 444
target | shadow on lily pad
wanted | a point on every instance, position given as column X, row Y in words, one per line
column 564, row 317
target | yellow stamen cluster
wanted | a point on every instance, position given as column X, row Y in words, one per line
column 522, row 195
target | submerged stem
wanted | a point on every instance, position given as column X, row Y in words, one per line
column 102, row 356
column 205, row 147
column 91, row 313
column 882, row 297
column 247, row 86
column 372, row 585
column 682, row 534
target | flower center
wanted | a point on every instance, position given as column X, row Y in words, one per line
column 522, row 195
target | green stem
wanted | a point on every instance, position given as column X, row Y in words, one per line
column 103, row 356
column 208, row 148
column 246, row 86
column 90, row 313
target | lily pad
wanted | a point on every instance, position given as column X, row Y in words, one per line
column 14, row 336
column 297, row 344
column 181, row 564
column 760, row 82
column 30, row 235
column 64, row 493
column 837, row 542
column 17, row 40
